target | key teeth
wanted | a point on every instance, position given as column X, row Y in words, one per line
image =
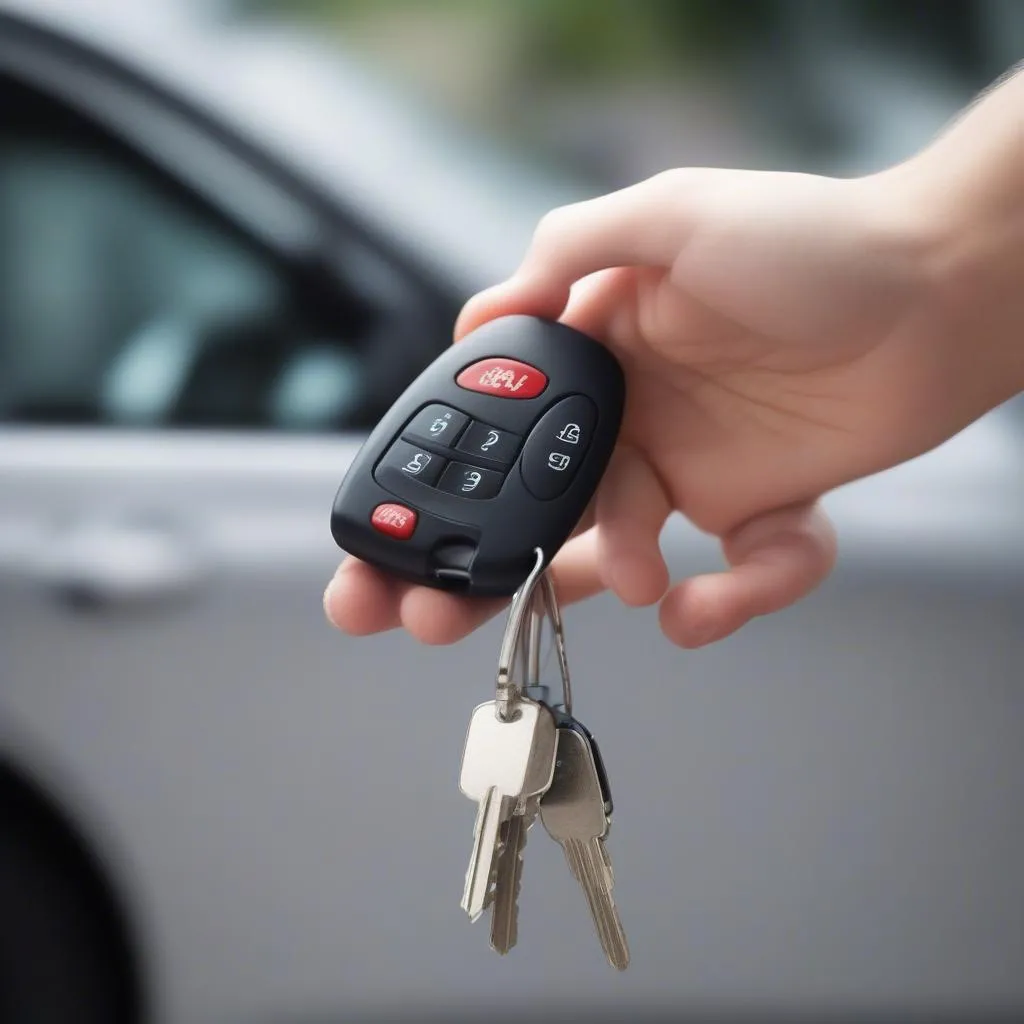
column 492, row 881
column 505, row 921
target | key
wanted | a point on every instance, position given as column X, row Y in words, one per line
column 504, row 765
column 575, row 812
column 519, row 668
column 491, row 453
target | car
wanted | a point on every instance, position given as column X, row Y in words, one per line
column 217, row 270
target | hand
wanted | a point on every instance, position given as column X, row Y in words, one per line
column 780, row 335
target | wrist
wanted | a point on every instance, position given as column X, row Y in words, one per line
column 962, row 218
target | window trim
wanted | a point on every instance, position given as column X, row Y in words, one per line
column 278, row 206
column 264, row 201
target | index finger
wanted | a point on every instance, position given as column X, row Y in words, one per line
column 362, row 600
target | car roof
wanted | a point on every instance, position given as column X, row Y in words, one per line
column 448, row 197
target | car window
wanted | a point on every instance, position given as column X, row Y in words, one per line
column 126, row 301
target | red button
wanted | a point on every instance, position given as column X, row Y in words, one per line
column 394, row 520
column 504, row 378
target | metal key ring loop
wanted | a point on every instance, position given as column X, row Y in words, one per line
column 510, row 654
column 521, row 642
column 554, row 614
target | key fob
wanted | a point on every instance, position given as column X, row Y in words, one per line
column 492, row 452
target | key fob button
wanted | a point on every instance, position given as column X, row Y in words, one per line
column 503, row 378
column 470, row 481
column 393, row 519
column 409, row 460
column 486, row 442
column 556, row 446
column 440, row 424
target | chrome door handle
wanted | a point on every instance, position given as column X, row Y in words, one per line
column 108, row 564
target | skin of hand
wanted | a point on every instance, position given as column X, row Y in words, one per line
column 782, row 334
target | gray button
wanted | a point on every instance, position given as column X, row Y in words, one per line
column 440, row 424
column 483, row 441
column 409, row 460
column 470, row 481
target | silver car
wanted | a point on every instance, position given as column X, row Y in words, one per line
column 216, row 271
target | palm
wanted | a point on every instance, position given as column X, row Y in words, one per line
column 754, row 385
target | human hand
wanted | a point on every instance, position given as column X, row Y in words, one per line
column 780, row 336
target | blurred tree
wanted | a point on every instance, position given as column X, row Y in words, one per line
column 575, row 38
column 623, row 87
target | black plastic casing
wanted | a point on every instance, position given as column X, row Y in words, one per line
column 472, row 546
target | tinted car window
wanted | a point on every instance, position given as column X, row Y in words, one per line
column 125, row 301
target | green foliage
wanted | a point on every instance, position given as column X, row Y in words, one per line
column 578, row 38
column 613, row 36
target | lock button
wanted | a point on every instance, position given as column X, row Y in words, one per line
column 482, row 441
column 556, row 446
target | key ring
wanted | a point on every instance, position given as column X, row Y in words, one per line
column 534, row 601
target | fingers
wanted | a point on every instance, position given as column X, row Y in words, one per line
column 776, row 559
column 631, row 509
column 361, row 600
column 638, row 226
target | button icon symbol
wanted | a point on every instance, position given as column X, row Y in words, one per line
column 570, row 433
column 498, row 377
column 558, row 462
column 492, row 439
column 440, row 425
column 417, row 463
column 471, row 481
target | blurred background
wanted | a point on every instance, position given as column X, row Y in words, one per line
column 231, row 232
column 616, row 90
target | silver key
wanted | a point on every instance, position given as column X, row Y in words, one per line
column 574, row 812
column 504, row 764
column 523, row 644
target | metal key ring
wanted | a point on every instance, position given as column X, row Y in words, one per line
column 521, row 642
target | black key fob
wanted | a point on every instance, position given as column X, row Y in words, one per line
column 492, row 452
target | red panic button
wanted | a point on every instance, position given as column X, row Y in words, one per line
column 395, row 520
column 503, row 378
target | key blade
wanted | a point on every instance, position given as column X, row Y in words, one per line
column 509, row 879
column 587, row 863
column 491, row 811
column 573, row 814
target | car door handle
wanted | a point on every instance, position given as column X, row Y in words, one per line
column 110, row 564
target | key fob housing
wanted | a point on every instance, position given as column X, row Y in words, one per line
column 493, row 451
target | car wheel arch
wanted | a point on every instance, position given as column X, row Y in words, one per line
column 42, row 843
